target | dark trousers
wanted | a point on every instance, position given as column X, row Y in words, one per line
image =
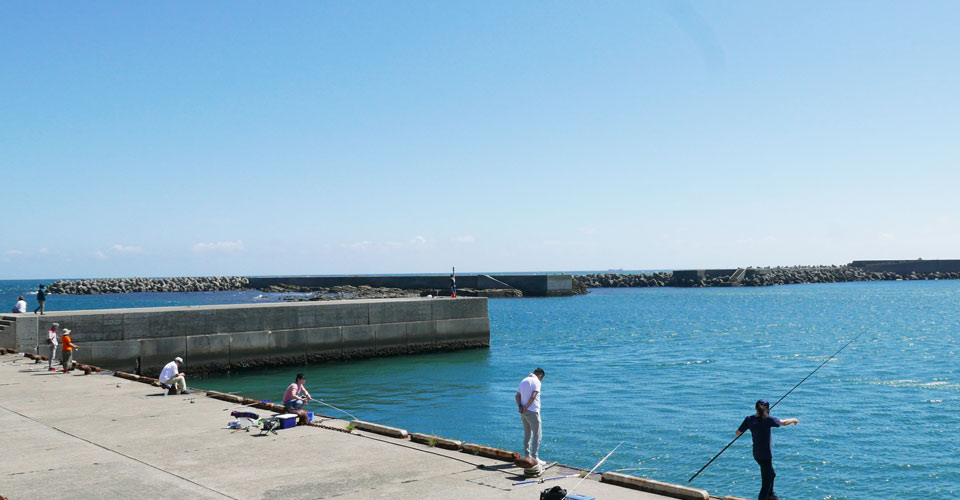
column 766, row 479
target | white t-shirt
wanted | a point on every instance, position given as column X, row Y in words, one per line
column 527, row 386
column 52, row 337
column 169, row 370
column 21, row 306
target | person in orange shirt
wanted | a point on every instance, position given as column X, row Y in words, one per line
column 68, row 348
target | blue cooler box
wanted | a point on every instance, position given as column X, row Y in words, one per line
column 287, row 420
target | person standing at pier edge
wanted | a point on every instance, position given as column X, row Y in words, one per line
column 760, row 425
column 20, row 306
column 172, row 376
column 293, row 398
column 41, row 298
column 68, row 348
column 453, row 282
column 528, row 402
column 52, row 342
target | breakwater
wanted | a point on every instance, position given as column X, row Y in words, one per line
column 756, row 277
column 131, row 285
column 217, row 338
column 507, row 285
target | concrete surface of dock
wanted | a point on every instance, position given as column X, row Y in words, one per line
column 97, row 436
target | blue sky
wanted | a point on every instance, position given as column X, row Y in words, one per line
column 180, row 138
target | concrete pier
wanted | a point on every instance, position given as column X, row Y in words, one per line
column 212, row 338
column 71, row 436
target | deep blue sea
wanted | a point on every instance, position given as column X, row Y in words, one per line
column 672, row 373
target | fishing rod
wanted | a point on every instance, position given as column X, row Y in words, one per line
column 775, row 404
column 602, row 460
column 312, row 400
column 545, row 480
column 246, row 405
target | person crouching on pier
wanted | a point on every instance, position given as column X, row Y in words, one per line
column 760, row 425
column 173, row 377
column 293, row 397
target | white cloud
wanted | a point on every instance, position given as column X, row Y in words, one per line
column 44, row 250
column 9, row 255
column 467, row 238
column 219, row 246
column 126, row 249
column 417, row 242
column 100, row 255
column 360, row 245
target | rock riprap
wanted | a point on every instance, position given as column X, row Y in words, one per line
column 618, row 280
column 767, row 276
column 129, row 285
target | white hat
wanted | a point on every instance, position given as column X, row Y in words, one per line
column 178, row 359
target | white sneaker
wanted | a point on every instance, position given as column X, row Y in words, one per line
column 541, row 462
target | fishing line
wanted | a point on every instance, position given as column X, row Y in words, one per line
column 775, row 404
column 334, row 407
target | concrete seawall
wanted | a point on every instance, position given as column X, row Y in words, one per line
column 213, row 338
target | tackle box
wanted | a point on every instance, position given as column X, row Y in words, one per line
column 287, row 420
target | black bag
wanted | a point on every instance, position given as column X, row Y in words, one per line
column 555, row 493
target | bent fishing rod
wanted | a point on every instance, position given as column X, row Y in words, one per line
column 775, row 404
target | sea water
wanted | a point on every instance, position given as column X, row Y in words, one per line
column 671, row 373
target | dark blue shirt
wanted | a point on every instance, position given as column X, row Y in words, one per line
column 760, row 430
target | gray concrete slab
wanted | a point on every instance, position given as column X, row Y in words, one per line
column 422, row 335
column 324, row 343
column 358, row 341
column 155, row 353
column 249, row 348
column 206, row 351
column 288, row 346
column 448, row 308
column 198, row 322
column 115, row 355
column 463, row 330
column 391, row 338
column 97, row 436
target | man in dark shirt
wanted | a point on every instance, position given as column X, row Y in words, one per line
column 41, row 298
column 760, row 425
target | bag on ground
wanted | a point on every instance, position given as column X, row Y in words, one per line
column 555, row 493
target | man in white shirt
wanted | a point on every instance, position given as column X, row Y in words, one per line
column 172, row 376
column 528, row 402
column 21, row 305
column 52, row 344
